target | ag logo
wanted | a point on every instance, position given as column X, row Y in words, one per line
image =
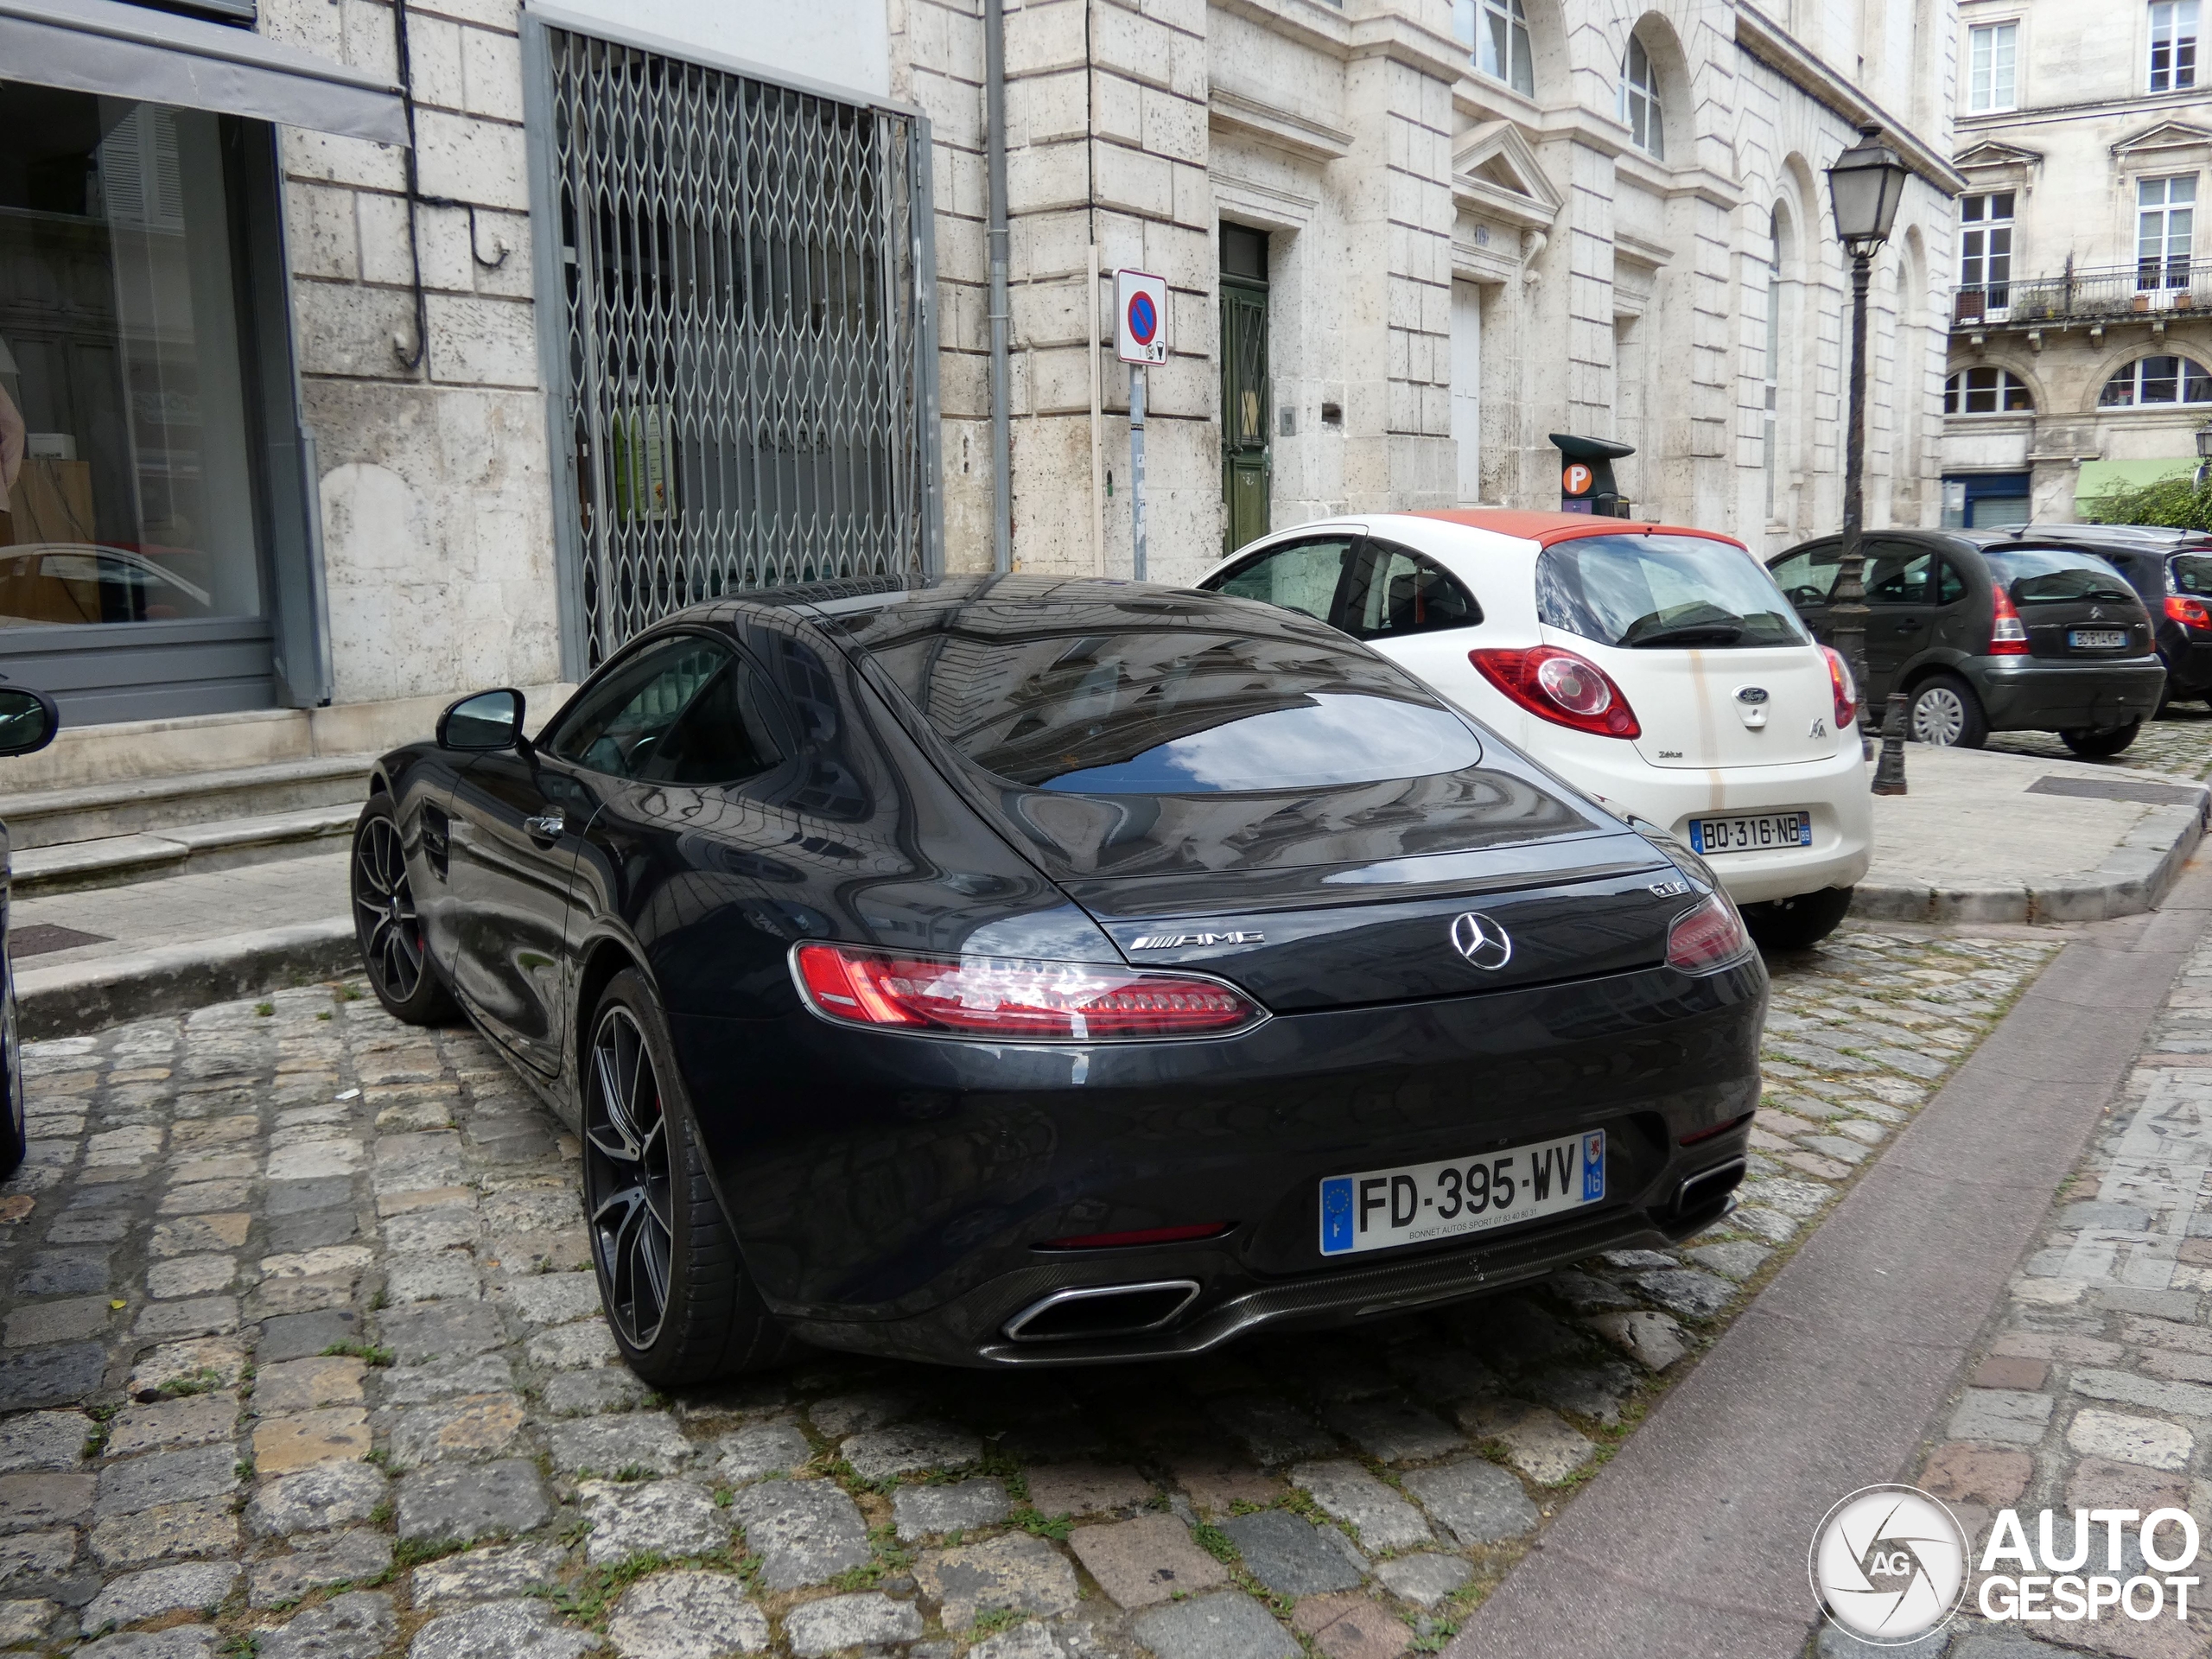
column 1888, row 1564
column 1482, row 941
column 1575, row 480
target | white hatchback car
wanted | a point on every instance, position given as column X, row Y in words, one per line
column 1656, row 668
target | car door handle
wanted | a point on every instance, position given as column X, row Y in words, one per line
column 1908, row 628
column 545, row 828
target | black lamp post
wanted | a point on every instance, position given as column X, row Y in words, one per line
column 1865, row 186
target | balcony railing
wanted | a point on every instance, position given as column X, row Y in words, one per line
column 2148, row 288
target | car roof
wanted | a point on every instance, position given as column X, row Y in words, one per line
column 1546, row 527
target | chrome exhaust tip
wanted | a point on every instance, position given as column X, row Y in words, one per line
column 1102, row 1311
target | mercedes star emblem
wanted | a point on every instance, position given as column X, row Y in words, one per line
column 1482, row 941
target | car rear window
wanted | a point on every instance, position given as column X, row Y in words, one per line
column 2043, row 575
column 1178, row 711
column 1662, row 593
column 2192, row 573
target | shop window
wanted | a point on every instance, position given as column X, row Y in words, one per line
column 1992, row 82
column 1986, row 391
column 121, row 368
column 2173, row 46
column 2149, row 381
column 1640, row 107
column 1497, row 32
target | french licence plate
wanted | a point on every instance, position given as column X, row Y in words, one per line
column 1751, row 835
column 2097, row 638
column 1386, row 1207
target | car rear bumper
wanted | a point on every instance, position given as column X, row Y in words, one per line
column 2187, row 657
column 890, row 1193
column 2028, row 694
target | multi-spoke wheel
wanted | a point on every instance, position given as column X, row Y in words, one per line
column 675, row 1290
column 386, row 924
column 1945, row 713
column 628, row 1184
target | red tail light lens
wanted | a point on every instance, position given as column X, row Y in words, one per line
column 1185, row 1235
column 1560, row 687
column 1708, row 938
column 1025, row 1001
column 2192, row 613
column 2008, row 635
column 1842, row 687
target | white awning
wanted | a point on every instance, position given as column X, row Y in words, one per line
column 125, row 51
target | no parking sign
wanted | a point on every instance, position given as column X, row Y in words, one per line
column 1139, row 317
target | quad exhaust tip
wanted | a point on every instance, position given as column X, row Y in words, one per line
column 1102, row 1311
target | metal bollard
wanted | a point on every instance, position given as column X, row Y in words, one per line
column 1889, row 772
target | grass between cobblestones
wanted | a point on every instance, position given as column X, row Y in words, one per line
column 360, row 1247
column 2179, row 742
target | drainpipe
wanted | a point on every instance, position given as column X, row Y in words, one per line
column 1002, row 397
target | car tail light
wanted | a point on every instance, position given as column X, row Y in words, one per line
column 1560, row 687
column 2189, row 613
column 2008, row 635
column 1708, row 938
column 1027, row 1001
column 1843, row 687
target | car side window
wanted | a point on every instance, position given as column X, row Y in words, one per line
column 1399, row 593
column 1899, row 574
column 1950, row 586
column 619, row 727
column 726, row 733
column 1806, row 577
column 1302, row 577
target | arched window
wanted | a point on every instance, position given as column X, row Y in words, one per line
column 1640, row 100
column 1773, row 354
column 2153, row 380
column 1498, row 32
column 1988, row 391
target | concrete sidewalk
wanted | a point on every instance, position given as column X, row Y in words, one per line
column 1993, row 837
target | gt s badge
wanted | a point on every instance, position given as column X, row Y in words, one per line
column 1668, row 889
column 1177, row 941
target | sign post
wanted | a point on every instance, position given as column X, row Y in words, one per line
column 1140, row 339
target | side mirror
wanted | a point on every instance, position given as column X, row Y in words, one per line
column 29, row 719
column 478, row 725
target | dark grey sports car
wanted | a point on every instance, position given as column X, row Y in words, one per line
column 1016, row 971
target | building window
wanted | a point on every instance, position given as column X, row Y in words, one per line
column 1986, row 391
column 2152, row 380
column 1986, row 247
column 1990, row 55
column 2173, row 45
column 1498, row 32
column 2166, row 216
column 1771, row 432
column 1640, row 100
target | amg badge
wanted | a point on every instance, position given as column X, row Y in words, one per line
column 1178, row 941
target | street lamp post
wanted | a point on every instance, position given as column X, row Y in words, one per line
column 1865, row 186
column 2203, row 452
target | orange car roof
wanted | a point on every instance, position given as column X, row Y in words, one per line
column 1544, row 528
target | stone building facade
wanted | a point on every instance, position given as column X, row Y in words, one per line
column 2080, row 351
column 1404, row 241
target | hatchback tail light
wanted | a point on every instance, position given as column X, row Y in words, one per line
column 1844, row 687
column 2192, row 614
column 1560, row 687
column 1708, row 938
column 2008, row 635
column 1025, row 1001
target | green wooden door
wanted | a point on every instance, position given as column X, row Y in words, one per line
column 1244, row 412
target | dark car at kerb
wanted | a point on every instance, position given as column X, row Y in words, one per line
column 1015, row 970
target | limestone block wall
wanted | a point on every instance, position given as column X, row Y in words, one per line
column 437, row 514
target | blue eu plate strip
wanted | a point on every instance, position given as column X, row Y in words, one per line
column 1335, row 1216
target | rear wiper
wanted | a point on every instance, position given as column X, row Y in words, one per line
column 1722, row 629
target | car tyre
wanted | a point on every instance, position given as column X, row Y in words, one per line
column 670, row 1277
column 2095, row 741
column 15, row 1129
column 1946, row 713
column 1797, row 923
column 388, row 926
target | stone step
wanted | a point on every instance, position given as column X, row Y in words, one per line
column 116, row 861
column 167, row 807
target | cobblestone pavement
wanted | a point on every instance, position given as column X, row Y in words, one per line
column 300, row 1357
column 2178, row 743
column 2091, row 1392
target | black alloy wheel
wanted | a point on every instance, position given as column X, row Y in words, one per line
column 670, row 1275
column 387, row 925
column 633, row 1233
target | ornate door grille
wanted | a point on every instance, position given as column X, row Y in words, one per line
column 750, row 351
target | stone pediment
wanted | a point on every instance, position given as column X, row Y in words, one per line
column 2158, row 143
column 1495, row 172
column 1990, row 157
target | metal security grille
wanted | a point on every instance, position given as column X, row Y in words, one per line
column 750, row 351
